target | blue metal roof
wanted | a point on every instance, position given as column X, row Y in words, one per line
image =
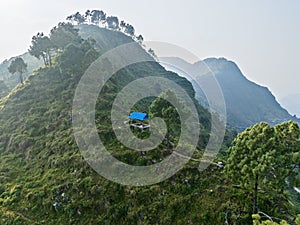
column 139, row 116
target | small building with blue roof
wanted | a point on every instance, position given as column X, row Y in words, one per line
column 139, row 116
column 138, row 120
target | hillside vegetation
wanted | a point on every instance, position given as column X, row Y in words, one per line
column 45, row 179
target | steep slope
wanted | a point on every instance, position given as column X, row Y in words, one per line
column 45, row 180
column 247, row 103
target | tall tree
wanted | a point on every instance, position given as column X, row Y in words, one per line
column 140, row 39
column 18, row 66
column 77, row 17
column 250, row 158
column 129, row 29
column 123, row 25
column 97, row 17
column 41, row 46
column 80, row 19
column 113, row 22
column 286, row 158
column 88, row 15
column 71, row 19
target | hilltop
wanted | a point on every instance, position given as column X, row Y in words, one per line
column 247, row 103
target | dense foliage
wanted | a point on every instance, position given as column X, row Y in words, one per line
column 99, row 18
column 264, row 161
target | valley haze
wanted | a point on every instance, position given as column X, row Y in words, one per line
column 262, row 37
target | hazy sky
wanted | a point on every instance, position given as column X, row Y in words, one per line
column 261, row 36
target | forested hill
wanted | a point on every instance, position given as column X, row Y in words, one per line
column 44, row 178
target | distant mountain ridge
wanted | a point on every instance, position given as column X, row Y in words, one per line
column 292, row 103
column 247, row 103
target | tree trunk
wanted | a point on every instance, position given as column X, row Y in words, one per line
column 21, row 78
column 45, row 59
column 45, row 62
column 48, row 56
column 168, row 140
column 50, row 59
column 254, row 211
column 281, row 191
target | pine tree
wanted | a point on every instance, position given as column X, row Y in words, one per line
column 18, row 66
column 249, row 158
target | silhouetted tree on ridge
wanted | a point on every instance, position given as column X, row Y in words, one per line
column 99, row 18
column 18, row 66
column 41, row 46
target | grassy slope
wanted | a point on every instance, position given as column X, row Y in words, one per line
column 41, row 165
